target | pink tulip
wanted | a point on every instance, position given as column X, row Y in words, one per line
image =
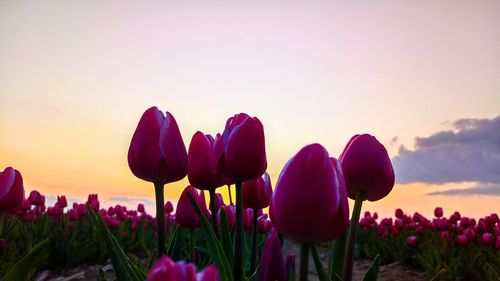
column 165, row 269
column 36, row 198
column 157, row 152
column 230, row 212
column 309, row 203
column 470, row 233
column 272, row 266
column 11, row 190
column 169, row 208
column 73, row 215
column 487, row 238
column 241, row 155
column 257, row 192
column 367, row 168
column 399, row 213
column 203, row 172
column 411, row 241
column 140, row 208
column 462, row 240
column 62, row 202
column 185, row 214
column 438, row 212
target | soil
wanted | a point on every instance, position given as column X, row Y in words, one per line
column 388, row 272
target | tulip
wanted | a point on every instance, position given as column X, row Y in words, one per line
column 230, row 212
column 140, row 208
column 241, row 156
column 272, row 266
column 411, row 241
column 399, row 213
column 165, row 269
column 487, row 238
column 444, row 236
column 256, row 195
column 36, row 198
column 157, row 154
column 309, row 203
column 11, row 190
column 185, row 213
column 470, row 233
column 461, row 240
column 438, row 212
column 169, row 208
column 62, row 202
column 367, row 168
column 73, row 215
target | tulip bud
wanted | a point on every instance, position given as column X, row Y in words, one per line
column 272, row 267
column 241, row 153
column 367, row 168
column 73, row 215
column 257, row 192
column 140, row 208
column 438, row 212
column 411, row 241
column 157, row 152
column 309, row 203
column 230, row 212
column 399, row 213
column 185, row 214
column 444, row 236
column 62, row 202
column 203, row 172
column 169, row 208
column 11, row 190
column 487, row 238
column 461, row 240
column 210, row 273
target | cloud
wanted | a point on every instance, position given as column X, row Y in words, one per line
column 487, row 189
column 470, row 152
column 130, row 199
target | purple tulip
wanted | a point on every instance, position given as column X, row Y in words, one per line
column 438, row 212
column 185, row 214
column 411, row 241
column 309, row 203
column 487, row 238
column 257, row 192
column 241, row 153
column 203, row 172
column 157, row 152
column 272, row 266
column 461, row 240
column 11, row 190
column 367, row 168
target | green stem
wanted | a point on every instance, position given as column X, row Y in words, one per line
column 213, row 211
column 238, row 244
column 192, row 242
column 351, row 239
column 304, row 261
column 160, row 217
column 254, row 241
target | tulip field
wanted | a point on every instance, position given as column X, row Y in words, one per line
column 207, row 239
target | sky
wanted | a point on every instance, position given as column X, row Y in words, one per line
column 421, row 76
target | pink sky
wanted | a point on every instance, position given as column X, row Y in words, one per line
column 76, row 77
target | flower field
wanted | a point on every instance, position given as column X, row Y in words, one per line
column 209, row 239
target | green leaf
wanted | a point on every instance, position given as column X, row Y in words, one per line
column 491, row 272
column 215, row 246
column 122, row 265
column 337, row 253
column 173, row 242
column 227, row 243
column 322, row 274
column 439, row 275
column 21, row 270
column 372, row 272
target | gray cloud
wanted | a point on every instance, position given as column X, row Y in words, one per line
column 487, row 189
column 129, row 199
column 471, row 152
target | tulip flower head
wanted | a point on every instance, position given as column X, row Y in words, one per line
column 257, row 192
column 309, row 203
column 241, row 153
column 411, row 241
column 203, row 172
column 157, row 152
column 367, row 168
column 185, row 214
column 11, row 190
column 165, row 269
column 272, row 266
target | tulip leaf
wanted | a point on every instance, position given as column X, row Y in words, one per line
column 173, row 242
column 227, row 243
column 372, row 273
column 439, row 275
column 215, row 246
column 337, row 253
column 322, row 274
column 491, row 272
column 22, row 269
column 122, row 265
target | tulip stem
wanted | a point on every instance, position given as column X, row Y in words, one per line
column 160, row 217
column 213, row 211
column 351, row 239
column 254, row 241
column 229, row 191
column 304, row 261
column 238, row 244
column 193, row 237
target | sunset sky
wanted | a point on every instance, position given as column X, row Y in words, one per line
column 422, row 76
